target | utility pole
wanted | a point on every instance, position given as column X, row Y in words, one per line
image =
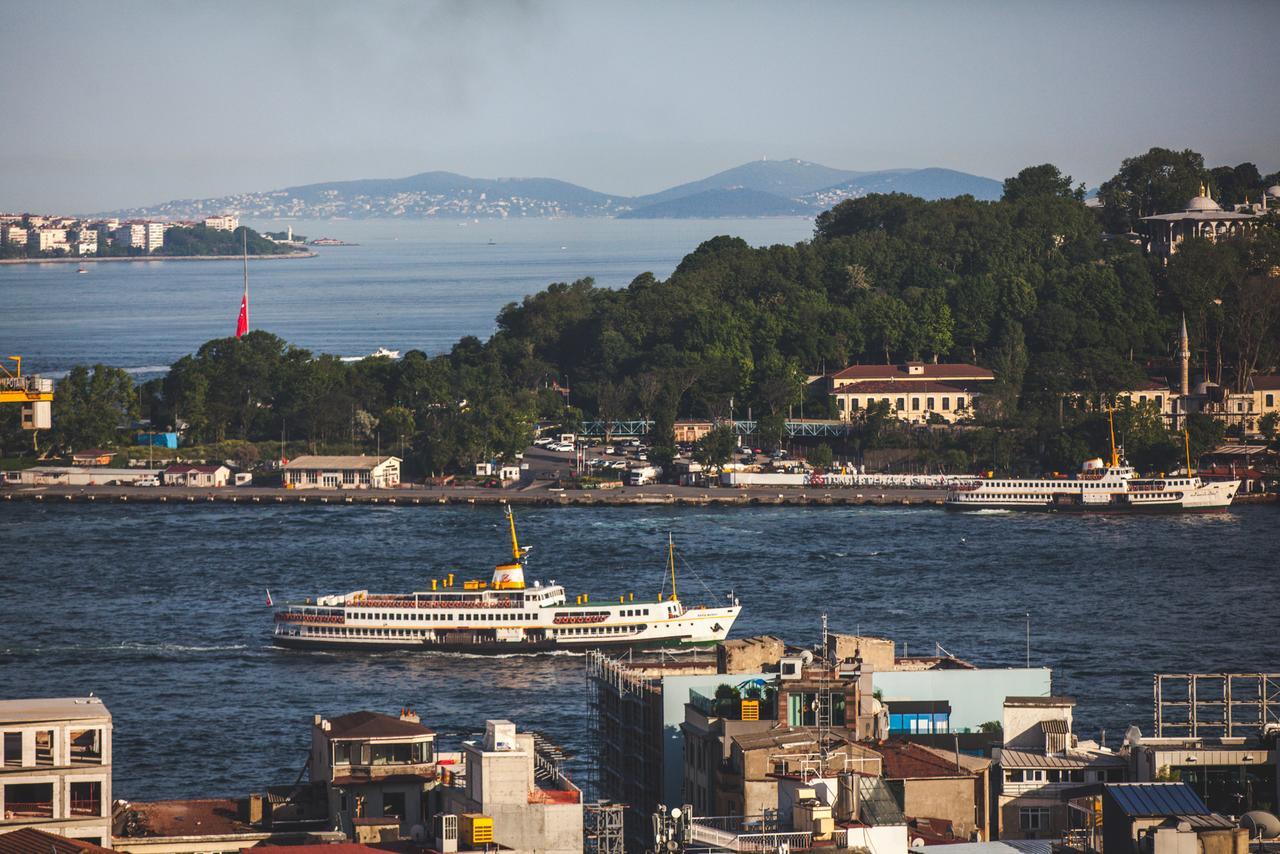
column 1028, row 640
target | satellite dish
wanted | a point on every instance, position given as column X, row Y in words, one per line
column 675, row 812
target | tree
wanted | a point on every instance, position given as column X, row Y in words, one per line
column 1039, row 182
column 91, row 405
column 821, row 456
column 717, row 447
column 1159, row 181
column 771, row 429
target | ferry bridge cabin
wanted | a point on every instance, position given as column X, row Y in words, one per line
column 354, row 472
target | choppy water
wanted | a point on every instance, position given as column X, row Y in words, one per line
column 408, row 285
column 161, row 610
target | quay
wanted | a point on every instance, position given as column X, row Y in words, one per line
column 417, row 495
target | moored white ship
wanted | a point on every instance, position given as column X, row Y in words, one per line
column 1111, row 487
column 503, row 615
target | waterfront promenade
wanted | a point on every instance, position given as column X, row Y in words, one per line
column 542, row 496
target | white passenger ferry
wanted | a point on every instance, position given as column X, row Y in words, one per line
column 1110, row 487
column 503, row 615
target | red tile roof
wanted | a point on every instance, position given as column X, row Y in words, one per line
column 1266, row 382
column 374, row 725
column 906, row 761
column 29, row 840
column 953, row 371
column 914, row 386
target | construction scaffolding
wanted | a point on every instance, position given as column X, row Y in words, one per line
column 603, row 832
column 1222, row 705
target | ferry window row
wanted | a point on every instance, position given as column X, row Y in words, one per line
column 593, row 630
column 635, row 612
column 449, row 617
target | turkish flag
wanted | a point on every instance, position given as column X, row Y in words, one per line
column 242, row 325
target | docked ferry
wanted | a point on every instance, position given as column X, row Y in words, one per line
column 1109, row 487
column 502, row 615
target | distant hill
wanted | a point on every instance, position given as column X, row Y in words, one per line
column 709, row 204
column 929, row 184
column 759, row 188
column 786, row 178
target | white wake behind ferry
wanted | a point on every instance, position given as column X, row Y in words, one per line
column 1110, row 487
column 503, row 615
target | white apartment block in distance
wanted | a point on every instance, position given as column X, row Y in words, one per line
column 44, row 239
column 223, row 222
column 56, row 771
column 14, row 233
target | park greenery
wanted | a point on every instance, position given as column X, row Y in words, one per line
column 1046, row 291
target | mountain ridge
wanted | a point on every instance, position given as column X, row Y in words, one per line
column 756, row 188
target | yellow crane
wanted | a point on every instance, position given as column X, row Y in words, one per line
column 35, row 393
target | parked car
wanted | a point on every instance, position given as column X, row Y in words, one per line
column 147, row 481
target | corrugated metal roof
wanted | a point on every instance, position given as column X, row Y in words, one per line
column 1027, row 759
column 1144, row 800
column 1054, row 727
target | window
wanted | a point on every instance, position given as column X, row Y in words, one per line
column 959, row 403
column 853, row 404
column 393, row 804
column 29, row 800
column 86, row 747
column 13, row 749
column 841, row 402
column 928, row 404
column 946, row 404
column 915, row 403
column 86, row 798
column 44, row 747
column 1033, row 819
column 1271, row 400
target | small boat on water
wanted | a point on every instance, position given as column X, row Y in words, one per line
column 1112, row 486
column 381, row 352
column 501, row 616
column 82, row 269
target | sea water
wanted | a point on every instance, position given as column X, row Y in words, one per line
column 161, row 610
column 409, row 284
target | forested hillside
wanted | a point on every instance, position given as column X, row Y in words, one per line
column 1028, row 286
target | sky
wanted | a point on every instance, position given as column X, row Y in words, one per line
column 130, row 103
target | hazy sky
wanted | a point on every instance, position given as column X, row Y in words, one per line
column 107, row 105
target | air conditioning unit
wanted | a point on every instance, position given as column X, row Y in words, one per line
column 446, row 833
column 790, row 667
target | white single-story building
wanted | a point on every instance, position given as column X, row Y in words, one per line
column 79, row 476
column 184, row 474
column 360, row 472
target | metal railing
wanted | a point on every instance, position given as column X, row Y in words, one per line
column 86, row 807
column 28, row 809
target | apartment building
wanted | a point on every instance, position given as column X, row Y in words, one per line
column 374, row 766
column 224, row 222
column 47, row 239
column 56, row 772
column 14, row 234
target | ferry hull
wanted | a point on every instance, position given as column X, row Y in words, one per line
column 1142, row 510
column 486, row 647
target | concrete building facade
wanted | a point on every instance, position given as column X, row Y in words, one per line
column 56, row 772
column 534, row 809
column 374, row 766
column 915, row 392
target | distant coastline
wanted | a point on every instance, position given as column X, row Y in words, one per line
column 89, row 259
